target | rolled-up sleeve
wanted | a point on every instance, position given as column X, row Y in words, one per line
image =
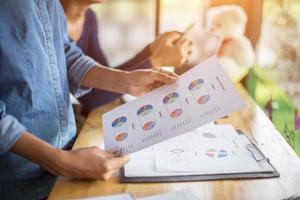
column 77, row 65
column 10, row 130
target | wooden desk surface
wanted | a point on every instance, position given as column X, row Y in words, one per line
column 251, row 120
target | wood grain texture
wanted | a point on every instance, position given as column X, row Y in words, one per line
column 251, row 120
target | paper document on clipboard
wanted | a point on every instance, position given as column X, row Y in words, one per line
column 209, row 150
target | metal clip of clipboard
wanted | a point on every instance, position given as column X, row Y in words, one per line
column 256, row 153
column 254, row 150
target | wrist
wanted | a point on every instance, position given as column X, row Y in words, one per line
column 60, row 160
column 124, row 82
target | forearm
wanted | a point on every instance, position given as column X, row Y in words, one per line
column 89, row 162
column 38, row 151
column 106, row 79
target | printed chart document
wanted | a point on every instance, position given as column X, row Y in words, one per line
column 208, row 150
column 201, row 95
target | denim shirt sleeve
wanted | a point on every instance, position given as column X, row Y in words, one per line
column 10, row 130
column 78, row 64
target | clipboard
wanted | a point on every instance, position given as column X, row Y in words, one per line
column 252, row 147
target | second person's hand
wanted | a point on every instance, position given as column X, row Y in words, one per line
column 171, row 49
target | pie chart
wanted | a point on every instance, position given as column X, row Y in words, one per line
column 176, row 113
column 214, row 153
column 196, row 84
column 203, row 99
column 144, row 110
column 170, row 98
column 121, row 137
column 119, row 122
column 149, row 125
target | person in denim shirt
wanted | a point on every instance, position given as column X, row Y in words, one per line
column 39, row 66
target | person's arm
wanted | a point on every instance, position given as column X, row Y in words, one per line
column 87, row 163
column 85, row 73
column 92, row 162
column 135, row 83
column 10, row 129
column 169, row 49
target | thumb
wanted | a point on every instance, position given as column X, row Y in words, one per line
column 118, row 162
column 162, row 77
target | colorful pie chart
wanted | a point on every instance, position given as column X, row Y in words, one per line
column 170, row 98
column 196, row 84
column 119, row 122
column 144, row 110
column 214, row 153
column 222, row 153
column 121, row 137
column 149, row 125
column 176, row 113
column 203, row 99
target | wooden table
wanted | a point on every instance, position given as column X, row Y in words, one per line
column 251, row 120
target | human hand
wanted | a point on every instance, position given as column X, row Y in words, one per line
column 90, row 163
column 143, row 81
column 171, row 49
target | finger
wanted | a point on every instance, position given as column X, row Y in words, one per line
column 118, row 162
column 154, row 86
column 172, row 34
column 170, row 73
column 163, row 77
column 161, row 43
column 117, row 153
column 102, row 153
column 107, row 175
column 173, row 38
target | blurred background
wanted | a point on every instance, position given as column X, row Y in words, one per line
column 273, row 28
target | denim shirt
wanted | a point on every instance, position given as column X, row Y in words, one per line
column 39, row 66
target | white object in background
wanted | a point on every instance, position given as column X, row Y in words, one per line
column 201, row 95
column 186, row 194
column 230, row 21
column 206, row 44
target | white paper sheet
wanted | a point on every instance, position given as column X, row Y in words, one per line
column 148, row 163
column 201, row 95
column 214, row 150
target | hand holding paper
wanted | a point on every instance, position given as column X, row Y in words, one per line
column 201, row 95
